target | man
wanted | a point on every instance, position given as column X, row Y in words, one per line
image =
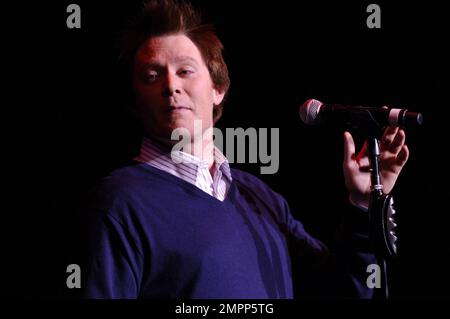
column 183, row 224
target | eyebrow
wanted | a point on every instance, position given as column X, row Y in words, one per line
column 185, row 58
column 178, row 59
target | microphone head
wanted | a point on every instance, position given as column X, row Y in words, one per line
column 309, row 112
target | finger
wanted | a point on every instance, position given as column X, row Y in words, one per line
column 362, row 158
column 398, row 142
column 349, row 148
column 403, row 155
column 388, row 135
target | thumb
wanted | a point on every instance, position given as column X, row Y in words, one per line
column 349, row 148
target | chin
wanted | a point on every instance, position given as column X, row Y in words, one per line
column 182, row 130
column 186, row 124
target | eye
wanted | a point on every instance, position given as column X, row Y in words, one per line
column 186, row 72
column 151, row 76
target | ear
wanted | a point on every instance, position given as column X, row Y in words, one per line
column 217, row 97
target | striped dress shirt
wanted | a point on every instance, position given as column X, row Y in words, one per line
column 189, row 168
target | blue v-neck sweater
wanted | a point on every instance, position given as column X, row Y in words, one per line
column 156, row 236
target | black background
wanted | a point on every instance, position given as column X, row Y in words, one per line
column 65, row 127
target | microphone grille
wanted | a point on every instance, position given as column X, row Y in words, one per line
column 309, row 111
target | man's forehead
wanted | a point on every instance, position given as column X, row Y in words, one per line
column 178, row 48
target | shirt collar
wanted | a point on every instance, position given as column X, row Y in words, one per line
column 153, row 152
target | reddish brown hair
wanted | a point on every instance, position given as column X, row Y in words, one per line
column 166, row 17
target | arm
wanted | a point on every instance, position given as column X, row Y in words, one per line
column 343, row 272
column 337, row 271
column 112, row 261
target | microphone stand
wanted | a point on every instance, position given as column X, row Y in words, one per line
column 382, row 224
column 381, row 210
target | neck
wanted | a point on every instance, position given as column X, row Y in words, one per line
column 201, row 146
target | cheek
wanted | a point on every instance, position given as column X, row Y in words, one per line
column 203, row 94
column 145, row 95
column 142, row 90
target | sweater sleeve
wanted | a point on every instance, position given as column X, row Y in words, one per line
column 353, row 255
column 318, row 271
column 340, row 272
column 113, row 262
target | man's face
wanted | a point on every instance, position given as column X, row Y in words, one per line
column 173, row 86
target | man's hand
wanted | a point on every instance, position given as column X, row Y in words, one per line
column 393, row 156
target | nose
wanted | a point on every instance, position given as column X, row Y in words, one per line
column 171, row 85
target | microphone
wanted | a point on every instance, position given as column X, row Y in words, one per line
column 314, row 112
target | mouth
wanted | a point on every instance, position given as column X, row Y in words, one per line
column 178, row 108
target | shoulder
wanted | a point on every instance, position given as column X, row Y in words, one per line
column 249, row 179
column 258, row 188
column 125, row 186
